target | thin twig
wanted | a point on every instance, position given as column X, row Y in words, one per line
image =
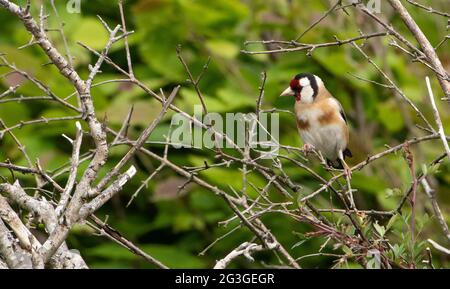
column 437, row 118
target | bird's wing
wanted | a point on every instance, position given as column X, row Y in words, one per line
column 346, row 152
column 325, row 94
column 341, row 110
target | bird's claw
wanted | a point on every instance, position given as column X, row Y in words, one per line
column 347, row 172
column 307, row 148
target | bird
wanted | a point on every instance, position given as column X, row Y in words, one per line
column 321, row 120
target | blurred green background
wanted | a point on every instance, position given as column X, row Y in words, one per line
column 175, row 227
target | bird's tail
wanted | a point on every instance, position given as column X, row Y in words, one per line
column 347, row 153
column 337, row 164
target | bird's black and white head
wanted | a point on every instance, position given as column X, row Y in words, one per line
column 304, row 87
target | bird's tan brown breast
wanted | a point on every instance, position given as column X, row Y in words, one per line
column 331, row 115
column 326, row 114
column 303, row 124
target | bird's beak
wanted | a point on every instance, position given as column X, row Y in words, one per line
column 288, row 92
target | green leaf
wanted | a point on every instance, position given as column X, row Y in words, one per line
column 380, row 229
column 391, row 222
column 347, row 250
column 398, row 250
column 299, row 243
column 373, row 264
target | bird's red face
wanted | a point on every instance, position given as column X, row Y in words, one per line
column 296, row 88
column 304, row 87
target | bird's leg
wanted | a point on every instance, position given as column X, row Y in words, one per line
column 347, row 170
column 348, row 176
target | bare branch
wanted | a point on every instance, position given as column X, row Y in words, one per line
column 337, row 4
column 310, row 47
column 427, row 48
column 139, row 143
column 245, row 249
column 429, row 9
column 437, row 118
column 75, row 161
column 114, row 235
column 127, row 46
column 439, row 247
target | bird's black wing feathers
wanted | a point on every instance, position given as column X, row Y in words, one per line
column 348, row 153
column 337, row 164
column 343, row 115
column 341, row 111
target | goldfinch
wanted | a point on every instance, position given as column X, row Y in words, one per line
column 321, row 121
